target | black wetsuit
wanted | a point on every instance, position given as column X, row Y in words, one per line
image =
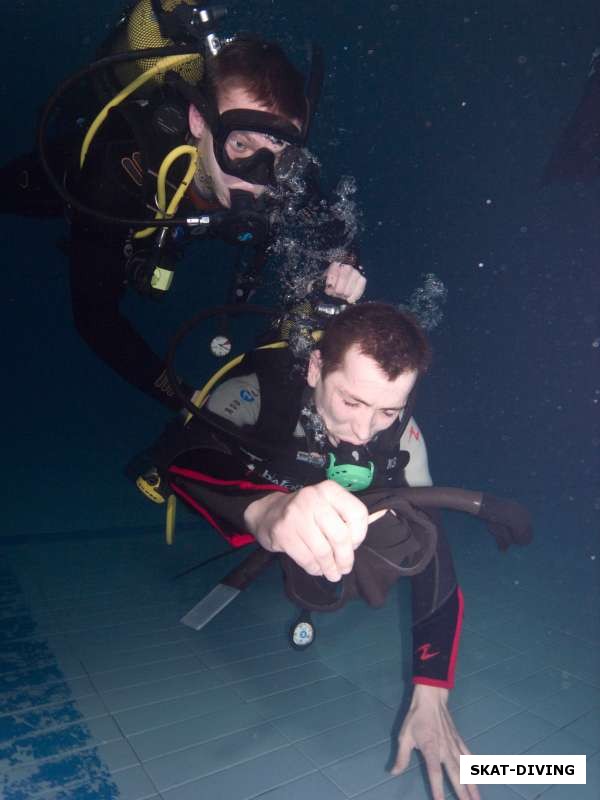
column 105, row 259
column 219, row 480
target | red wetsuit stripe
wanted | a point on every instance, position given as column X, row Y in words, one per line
column 240, row 484
column 448, row 683
column 235, row 539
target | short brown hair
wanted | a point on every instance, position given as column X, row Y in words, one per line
column 264, row 71
column 388, row 335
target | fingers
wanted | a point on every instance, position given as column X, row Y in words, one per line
column 469, row 790
column 330, row 543
column 434, row 773
column 405, row 748
column 344, row 281
column 319, row 528
column 428, row 727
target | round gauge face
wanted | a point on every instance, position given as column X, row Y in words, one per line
column 220, row 346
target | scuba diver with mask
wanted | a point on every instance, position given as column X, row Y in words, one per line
column 319, row 460
column 197, row 138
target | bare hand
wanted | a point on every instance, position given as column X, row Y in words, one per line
column 344, row 281
column 428, row 727
column 319, row 527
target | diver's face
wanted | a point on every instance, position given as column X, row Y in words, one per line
column 242, row 144
column 358, row 400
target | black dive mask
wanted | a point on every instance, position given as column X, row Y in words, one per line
column 234, row 144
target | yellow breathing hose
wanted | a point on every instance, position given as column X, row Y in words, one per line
column 161, row 181
column 170, row 521
column 164, row 64
column 198, row 399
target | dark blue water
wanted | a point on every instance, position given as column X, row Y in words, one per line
column 445, row 113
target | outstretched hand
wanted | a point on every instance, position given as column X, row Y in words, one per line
column 428, row 727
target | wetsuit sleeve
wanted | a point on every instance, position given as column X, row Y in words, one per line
column 102, row 260
column 437, row 607
column 417, row 470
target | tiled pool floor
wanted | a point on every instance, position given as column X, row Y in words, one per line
column 103, row 694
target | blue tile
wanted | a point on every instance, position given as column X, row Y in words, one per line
column 177, row 686
column 410, row 785
column 210, row 639
column 93, row 766
column 196, row 730
column 55, row 742
column 146, row 673
column 255, row 778
column 24, row 627
column 281, row 681
column 314, row 786
column 74, row 620
column 484, row 714
column 513, row 736
column 66, row 668
column 587, row 728
column 314, row 720
column 303, row 697
column 535, row 687
column 392, row 696
column 196, row 762
column 130, row 784
column 521, row 637
column 353, row 737
column 362, row 770
column 468, row 689
column 119, row 660
column 28, row 654
column 166, row 712
column 247, row 649
column 384, row 675
column 491, row 791
column 90, row 644
column 510, row 671
column 477, row 652
column 45, row 718
column 351, row 661
column 124, row 633
column 571, row 701
column 580, row 658
column 348, row 638
column 266, row 664
column 31, row 697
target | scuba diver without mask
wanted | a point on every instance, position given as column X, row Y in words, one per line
column 252, row 459
column 239, row 113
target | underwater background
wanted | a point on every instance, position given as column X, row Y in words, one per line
column 444, row 113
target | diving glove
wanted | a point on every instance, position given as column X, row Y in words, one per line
column 507, row 521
